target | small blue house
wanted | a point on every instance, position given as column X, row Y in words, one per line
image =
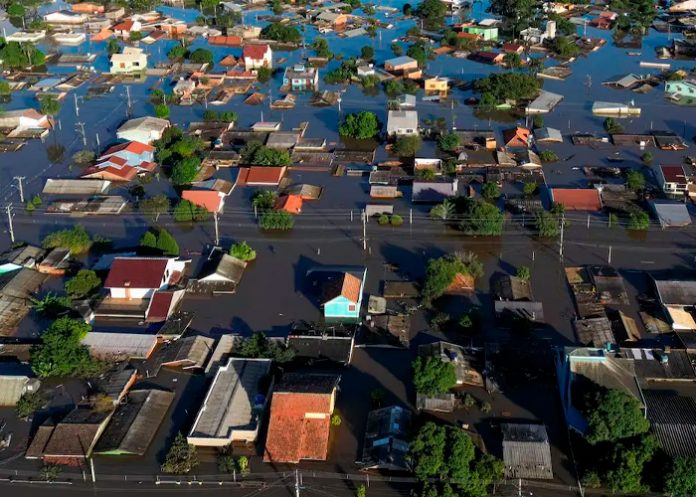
column 343, row 293
column 134, row 153
column 681, row 91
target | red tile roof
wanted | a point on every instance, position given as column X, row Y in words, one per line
column 133, row 146
column 228, row 41
column 112, row 173
column 577, row 199
column 255, row 52
column 351, row 287
column 228, row 61
column 512, row 47
column 126, row 25
column 210, row 200
column 468, row 36
column 289, row 203
column 160, row 304
column 516, row 137
column 292, row 436
column 673, row 174
column 462, row 283
column 261, row 175
column 136, row 272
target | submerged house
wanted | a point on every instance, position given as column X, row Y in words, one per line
column 234, row 405
column 131, row 60
column 300, row 77
column 341, row 291
column 387, row 437
column 300, row 419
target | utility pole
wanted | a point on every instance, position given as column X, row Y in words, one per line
column 129, row 99
column 297, row 483
column 9, row 219
column 77, row 107
column 81, row 125
column 217, row 230
column 560, row 248
column 364, row 220
column 609, row 258
column 21, row 187
column 98, row 143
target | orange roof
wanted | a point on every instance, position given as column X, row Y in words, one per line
column 228, row 41
column 102, row 35
column 516, row 137
column 351, row 287
column 210, row 200
column 112, row 173
column 289, row 203
column 90, row 8
column 469, row 36
column 228, row 61
column 577, row 199
column 261, row 175
column 292, row 436
column 126, row 25
column 132, row 146
column 462, row 283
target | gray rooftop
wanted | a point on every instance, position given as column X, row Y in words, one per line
column 671, row 214
column 526, row 451
column 147, row 123
column 676, row 292
column 231, row 401
column 75, row 186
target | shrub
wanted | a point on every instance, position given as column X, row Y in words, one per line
column 186, row 211
column 524, row 273
column 185, row 170
column 243, row 464
column 162, row 111
column 336, row 420
column 383, row 219
column 160, row 241
column 397, row 220
column 529, row 189
column 638, row 220
column 83, row 284
column 243, row 251
column 407, row 146
column 76, row 239
column 181, row 458
column 486, row 407
column 448, row 142
column 469, row 401
column 28, row 404
column 548, row 156
column 264, row 199
column 276, row 220
column 61, row 352
column 635, row 180
column 647, row 158
column 52, row 305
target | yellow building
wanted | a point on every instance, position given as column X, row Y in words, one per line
column 436, row 85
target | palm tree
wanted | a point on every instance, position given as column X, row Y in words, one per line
column 444, row 211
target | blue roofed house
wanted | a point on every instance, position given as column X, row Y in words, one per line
column 342, row 293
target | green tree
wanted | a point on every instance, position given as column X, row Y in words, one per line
column 361, row 126
column 635, row 180
column 49, row 105
column 612, row 415
column 444, row 211
column 16, row 56
column 612, row 126
column 61, row 352
column 264, row 199
column 76, row 239
column 280, row 32
column 397, row 49
column 529, row 189
column 419, row 52
column 135, row 36
column 276, row 220
column 5, row 88
column 627, row 462
column 448, row 142
column 638, row 220
column 181, row 458
column 565, row 46
column 548, row 156
column 52, row 305
column 393, row 88
column 167, row 244
column 258, row 346
column 516, row 12
column 646, row 158
column 483, row 219
column 426, row 174
column 154, row 207
column 538, row 121
column 28, row 404
column 185, row 170
column 201, row 56
column 432, row 376
column 490, row 191
column 396, row 220
column 277, row 7
column 16, row 10
column 508, row 85
column 524, row 273
column 440, row 273
column 186, row 212
column 243, row 251
column 432, row 12
column 264, row 74
column 264, row 156
column 547, row 225
column 83, row 284
column 513, row 60
column 321, row 47
column 162, row 111
column 148, row 240
column 367, row 53
column 383, row 219
column 407, row 146
column 177, row 52
column 225, row 116
column 681, row 478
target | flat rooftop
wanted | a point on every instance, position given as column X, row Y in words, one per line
column 230, row 403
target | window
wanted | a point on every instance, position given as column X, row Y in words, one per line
column 351, row 307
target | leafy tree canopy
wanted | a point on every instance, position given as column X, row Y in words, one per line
column 448, row 142
column 361, row 126
column 186, row 212
column 201, row 56
column 432, row 376
column 61, row 352
column 243, row 251
column 681, row 478
column 282, row 33
column 76, row 239
column 612, row 415
column 433, row 12
column 15, row 55
column 508, row 85
column 83, row 284
column 181, row 458
column 259, row 346
column 276, row 220
column 483, row 219
column 440, row 273
column 185, row 170
column 407, row 146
